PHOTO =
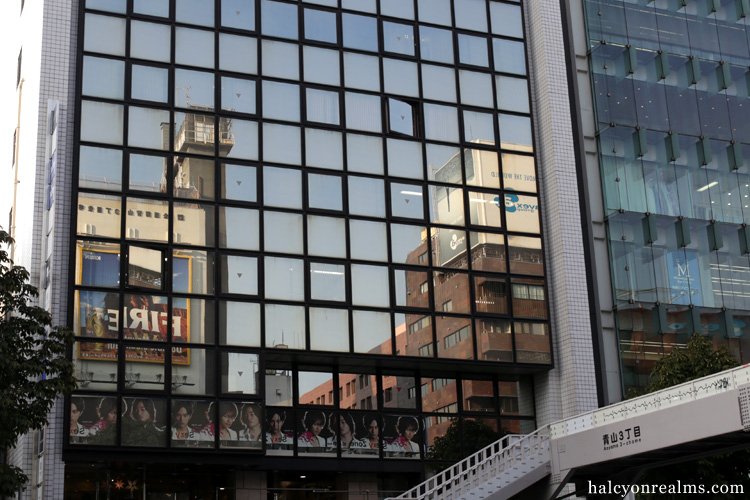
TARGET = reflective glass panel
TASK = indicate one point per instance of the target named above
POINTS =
(512, 94)
(525, 255)
(366, 196)
(194, 224)
(197, 12)
(283, 232)
(145, 268)
(370, 286)
(519, 173)
(471, 14)
(194, 47)
(438, 83)
(506, 19)
(372, 332)
(327, 282)
(440, 123)
(476, 89)
(488, 252)
(285, 278)
(326, 236)
(400, 77)
(239, 182)
(522, 213)
(158, 8)
(360, 32)
(147, 128)
(101, 122)
(509, 56)
(322, 106)
(281, 101)
(436, 44)
(104, 34)
(408, 243)
(285, 328)
(239, 323)
(329, 330)
(100, 168)
(238, 14)
(405, 158)
(368, 240)
(324, 191)
(473, 50)
(238, 53)
(238, 228)
(282, 187)
(407, 201)
(494, 340)
(238, 138)
(193, 178)
(239, 373)
(481, 167)
(150, 41)
(361, 71)
(320, 25)
(147, 219)
(237, 95)
(239, 274)
(323, 148)
(398, 38)
(103, 77)
(321, 66)
(193, 89)
(279, 19)
(364, 154)
(98, 215)
(282, 144)
(148, 173)
(149, 83)
(193, 372)
(97, 263)
(363, 112)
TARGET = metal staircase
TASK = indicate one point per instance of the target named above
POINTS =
(496, 472)
(626, 436)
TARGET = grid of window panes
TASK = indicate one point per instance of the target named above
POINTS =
(671, 90)
(353, 178)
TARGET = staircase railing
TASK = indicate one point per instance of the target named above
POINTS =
(479, 468)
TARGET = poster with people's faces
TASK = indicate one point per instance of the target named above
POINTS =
(359, 435)
(402, 437)
(314, 435)
(191, 426)
(144, 422)
(93, 420)
(240, 425)
(279, 434)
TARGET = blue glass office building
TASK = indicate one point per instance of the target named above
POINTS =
(669, 84)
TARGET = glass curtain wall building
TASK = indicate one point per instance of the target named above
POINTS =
(670, 88)
(306, 237)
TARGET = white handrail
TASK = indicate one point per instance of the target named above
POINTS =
(480, 467)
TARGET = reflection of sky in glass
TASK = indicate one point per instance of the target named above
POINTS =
(310, 380)
(147, 173)
(241, 372)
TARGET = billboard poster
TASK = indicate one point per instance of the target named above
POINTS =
(279, 431)
(401, 436)
(145, 318)
(359, 435)
(144, 422)
(684, 277)
(191, 425)
(93, 420)
(313, 434)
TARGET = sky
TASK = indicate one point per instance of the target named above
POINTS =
(8, 105)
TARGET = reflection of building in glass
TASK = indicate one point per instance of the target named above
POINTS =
(309, 235)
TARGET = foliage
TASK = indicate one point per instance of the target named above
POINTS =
(33, 366)
(475, 433)
(698, 359)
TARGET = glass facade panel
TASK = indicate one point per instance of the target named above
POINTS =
(295, 210)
